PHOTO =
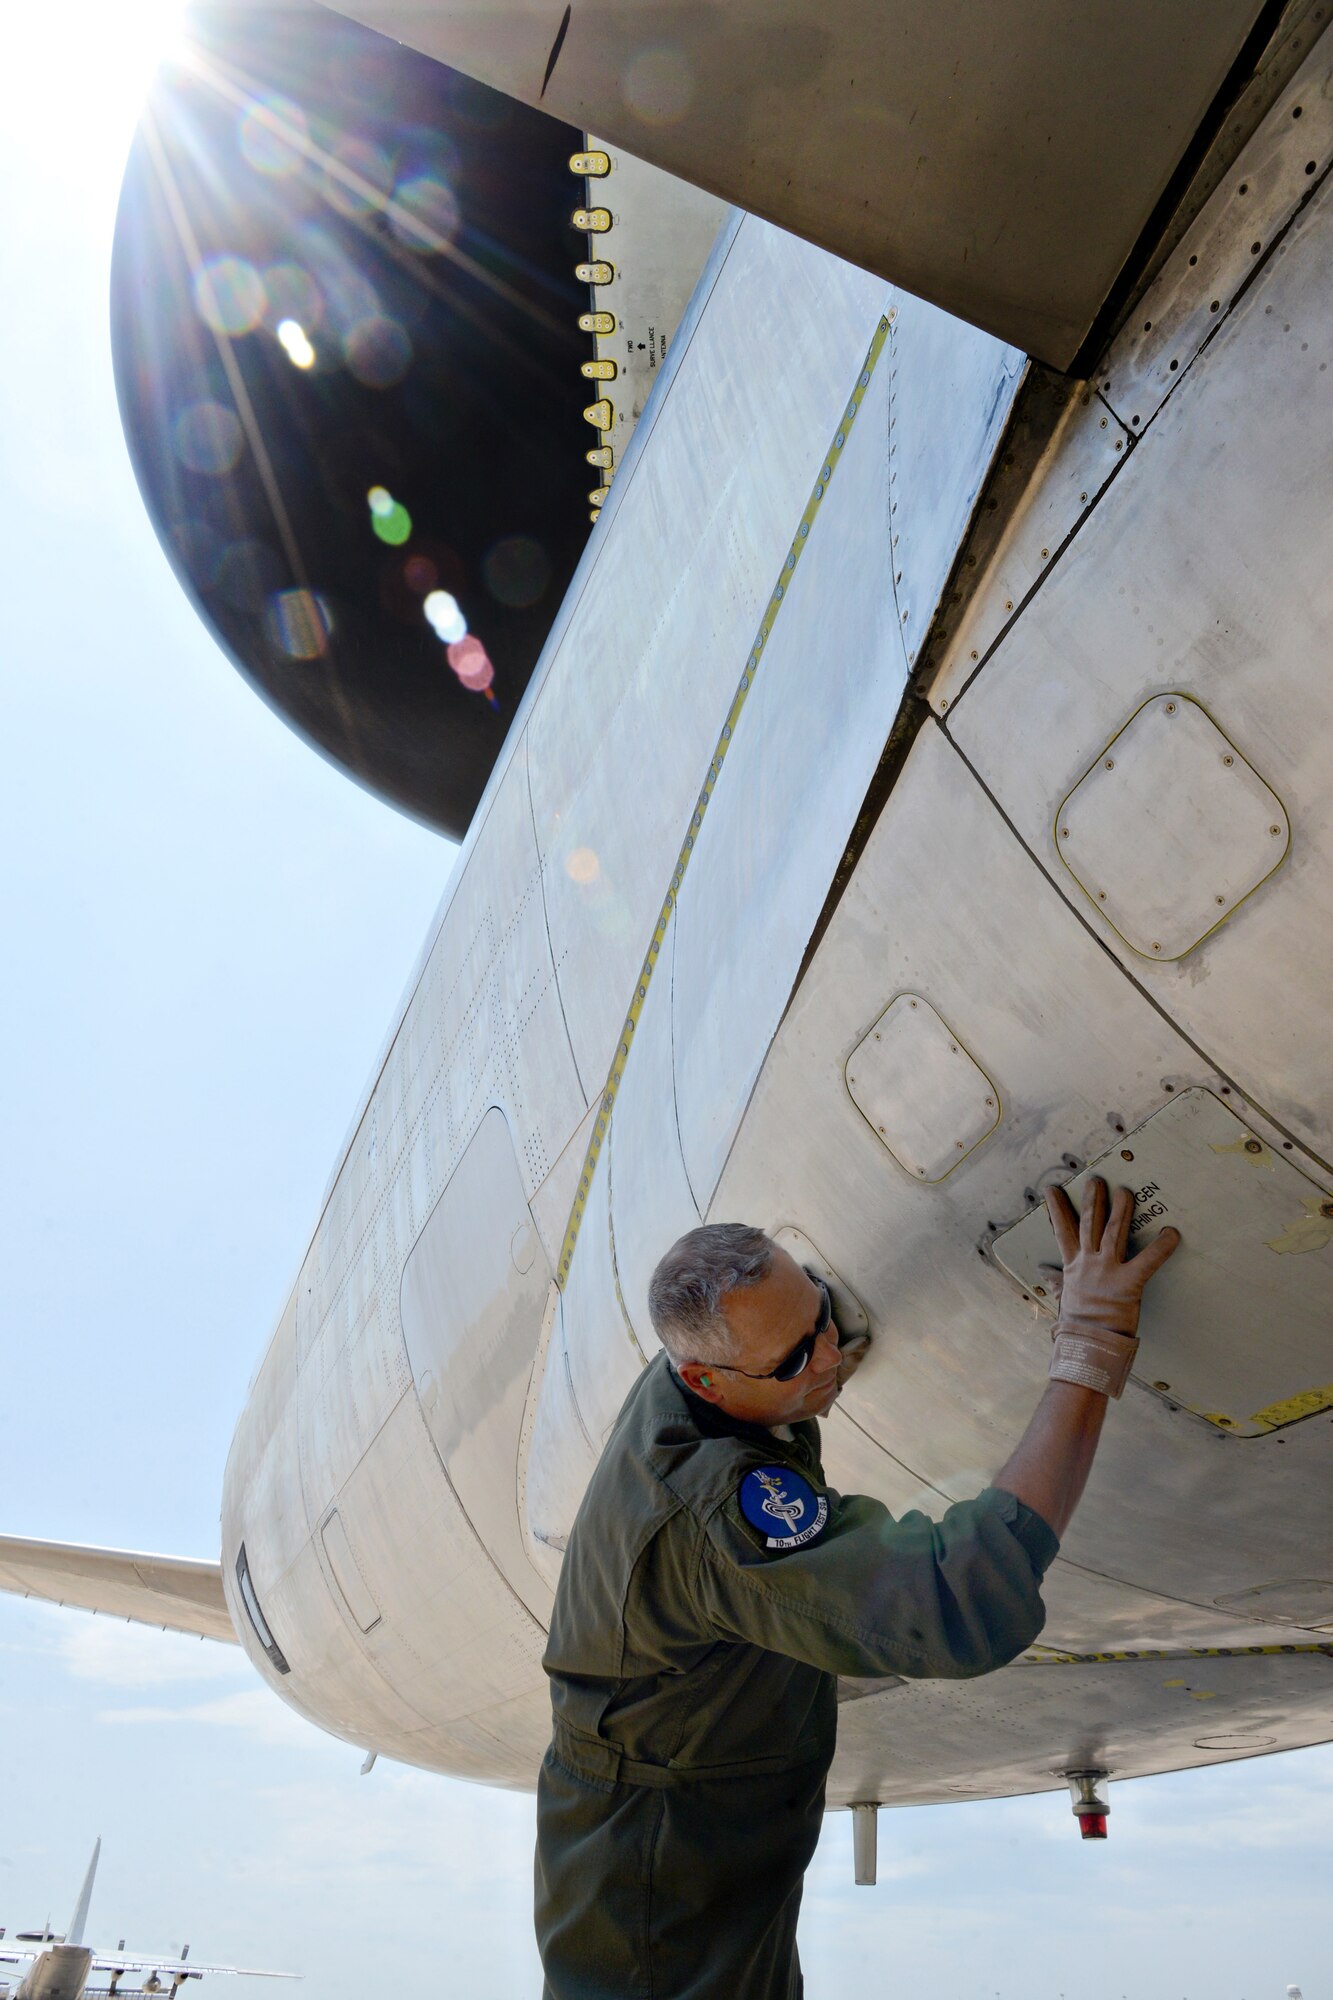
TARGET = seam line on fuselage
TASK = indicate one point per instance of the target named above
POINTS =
(749, 675)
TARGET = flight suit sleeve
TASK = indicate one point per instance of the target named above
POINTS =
(873, 1595)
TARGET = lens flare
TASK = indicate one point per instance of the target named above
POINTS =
(358, 179)
(420, 574)
(471, 662)
(274, 135)
(248, 574)
(388, 517)
(207, 437)
(293, 294)
(296, 344)
(424, 214)
(582, 866)
(200, 549)
(517, 571)
(298, 623)
(377, 351)
(446, 619)
(229, 296)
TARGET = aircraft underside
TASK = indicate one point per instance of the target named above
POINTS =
(924, 795)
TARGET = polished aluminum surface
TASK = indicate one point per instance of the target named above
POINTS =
(1001, 161)
(866, 836)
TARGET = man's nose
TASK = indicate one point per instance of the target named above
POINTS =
(827, 1354)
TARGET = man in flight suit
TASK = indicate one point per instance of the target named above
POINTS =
(714, 1586)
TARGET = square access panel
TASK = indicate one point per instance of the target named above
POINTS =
(920, 1091)
(1237, 1325)
(1170, 829)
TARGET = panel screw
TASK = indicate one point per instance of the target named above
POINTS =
(1253, 1146)
(1125, 1153)
(1045, 553)
(877, 1035)
(911, 1003)
(1275, 831)
(1040, 1291)
(1110, 763)
(1219, 899)
(990, 1103)
(1170, 707)
(1157, 947)
(1064, 833)
(959, 1144)
(1101, 895)
(1161, 1385)
(1326, 1208)
(1228, 761)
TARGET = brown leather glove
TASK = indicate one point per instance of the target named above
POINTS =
(1100, 1287)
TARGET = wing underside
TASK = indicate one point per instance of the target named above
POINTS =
(1132, 1714)
(178, 1593)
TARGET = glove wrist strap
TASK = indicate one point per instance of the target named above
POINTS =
(1092, 1357)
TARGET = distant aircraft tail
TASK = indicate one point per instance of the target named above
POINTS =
(78, 1922)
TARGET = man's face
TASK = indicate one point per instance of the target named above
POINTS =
(767, 1320)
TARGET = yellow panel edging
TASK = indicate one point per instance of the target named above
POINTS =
(750, 674)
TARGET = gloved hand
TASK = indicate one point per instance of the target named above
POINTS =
(1099, 1287)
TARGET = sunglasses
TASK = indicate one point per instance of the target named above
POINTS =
(795, 1363)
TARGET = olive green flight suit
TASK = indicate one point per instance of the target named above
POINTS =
(692, 1672)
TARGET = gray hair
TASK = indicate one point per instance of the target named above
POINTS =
(687, 1289)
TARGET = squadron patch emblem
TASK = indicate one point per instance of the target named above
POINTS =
(784, 1507)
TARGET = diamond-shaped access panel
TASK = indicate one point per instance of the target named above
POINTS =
(920, 1091)
(1170, 829)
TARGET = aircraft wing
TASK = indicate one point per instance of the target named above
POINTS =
(178, 1967)
(176, 1592)
(1010, 162)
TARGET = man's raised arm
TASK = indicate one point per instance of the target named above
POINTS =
(1094, 1344)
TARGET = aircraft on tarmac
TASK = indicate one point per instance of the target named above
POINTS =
(60, 1967)
(920, 795)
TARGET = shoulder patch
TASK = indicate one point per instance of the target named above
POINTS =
(783, 1506)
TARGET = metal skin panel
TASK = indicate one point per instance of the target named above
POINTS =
(945, 380)
(917, 1087)
(1170, 829)
(1037, 500)
(651, 1202)
(1000, 161)
(949, 895)
(662, 230)
(1018, 1730)
(642, 675)
(1204, 569)
(753, 893)
(472, 1297)
(1197, 1166)
(558, 1454)
(1172, 1515)
(1215, 258)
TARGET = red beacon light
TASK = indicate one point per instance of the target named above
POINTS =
(1087, 1790)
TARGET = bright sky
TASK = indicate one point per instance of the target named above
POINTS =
(206, 932)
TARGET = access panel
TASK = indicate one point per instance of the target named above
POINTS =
(1237, 1326)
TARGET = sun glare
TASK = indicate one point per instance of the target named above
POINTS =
(101, 60)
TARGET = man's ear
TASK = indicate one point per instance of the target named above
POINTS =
(700, 1378)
